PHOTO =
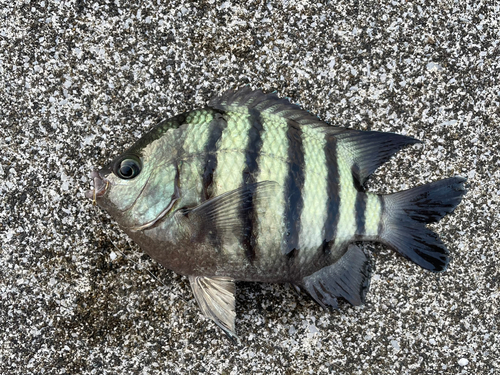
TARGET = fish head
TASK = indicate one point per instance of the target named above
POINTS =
(139, 187)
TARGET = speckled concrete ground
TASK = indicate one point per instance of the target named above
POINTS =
(80, 80)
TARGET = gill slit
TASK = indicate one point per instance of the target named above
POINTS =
(175, 197)
(138, 195)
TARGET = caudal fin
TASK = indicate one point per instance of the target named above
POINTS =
(406, 214)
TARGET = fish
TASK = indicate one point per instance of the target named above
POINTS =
(253, 188)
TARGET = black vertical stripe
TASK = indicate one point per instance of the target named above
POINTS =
(249, 217)
(382, 213)
(294, 202)
(360, 209)
(253, 148)
(216, 128)
(333, 187)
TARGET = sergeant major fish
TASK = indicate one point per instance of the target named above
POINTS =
(254, 188)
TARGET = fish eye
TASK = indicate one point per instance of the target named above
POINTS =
(128, 168)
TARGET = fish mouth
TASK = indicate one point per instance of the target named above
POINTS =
(100, 187)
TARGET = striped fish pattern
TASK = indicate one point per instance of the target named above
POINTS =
(253, 188)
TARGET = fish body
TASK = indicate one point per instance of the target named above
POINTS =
(253, 188)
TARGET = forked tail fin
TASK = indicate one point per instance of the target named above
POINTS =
(406, 214)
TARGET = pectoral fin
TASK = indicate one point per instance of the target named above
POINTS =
(215, 296)
(226, 217)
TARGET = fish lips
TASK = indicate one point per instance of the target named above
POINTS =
(100, 186)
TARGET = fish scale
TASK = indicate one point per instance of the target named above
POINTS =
(272, 167)
(315, 190)
(253, 188)
(195, 138)
(346, 227)
(197, 133)
(231, 153)
(373, 215)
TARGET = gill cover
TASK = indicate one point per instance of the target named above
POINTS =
(140, 190)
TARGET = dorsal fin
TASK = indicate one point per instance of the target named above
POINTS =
(367, 150)
(268, 104)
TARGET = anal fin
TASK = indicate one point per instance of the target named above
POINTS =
(348, 278)
(216, 298)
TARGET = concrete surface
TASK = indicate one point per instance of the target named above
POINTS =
(80, 80)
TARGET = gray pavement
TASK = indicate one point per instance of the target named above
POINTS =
(81, 80)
